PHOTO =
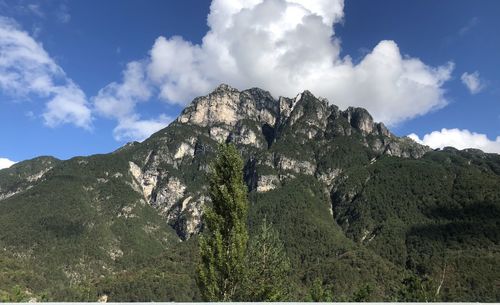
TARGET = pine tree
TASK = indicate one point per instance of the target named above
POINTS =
(223, 246)
(268, 270)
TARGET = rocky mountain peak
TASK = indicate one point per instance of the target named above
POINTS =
(227, 110)
(226, 106)
(223, 88)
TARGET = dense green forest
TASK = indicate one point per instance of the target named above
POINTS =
(424, 220)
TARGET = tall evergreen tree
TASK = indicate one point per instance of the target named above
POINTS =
(268, 271)
(224, 244)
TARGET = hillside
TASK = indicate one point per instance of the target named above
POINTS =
(355, 205)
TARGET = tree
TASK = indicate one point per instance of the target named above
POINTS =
(268, 267)
(320, 293)
(224, 244)
(363, 294)
(418, 289)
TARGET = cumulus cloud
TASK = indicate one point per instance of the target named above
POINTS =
(472, 82)
(286, 46)
(118, 101)
(6, 163)
(459, 139)
(27, 70)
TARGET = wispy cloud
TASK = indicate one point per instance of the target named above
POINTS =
(36, 9)
(461, 32)
(473, 22)
(58, 11)
(62, 13)
(27, 70)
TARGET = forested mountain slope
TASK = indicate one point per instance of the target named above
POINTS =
(356, 206)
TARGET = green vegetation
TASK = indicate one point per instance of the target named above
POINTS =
(436, 217)
(58, 237)
(223, 247)
(316, 245)
(320, 293)
(267, 268)
(398, 225)
(418, 289)
(167, 277)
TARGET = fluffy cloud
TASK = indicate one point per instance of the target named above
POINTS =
(118, 101)
(286, 46)
(6, 163)
(472, 82)
(26, 70)
(459, 139)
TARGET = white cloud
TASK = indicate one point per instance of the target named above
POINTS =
(69, 105)
(459, 139)
(133, 128)
(27, 70)
(472, 82)
(118, 101)
(6, 163)
(286, 46)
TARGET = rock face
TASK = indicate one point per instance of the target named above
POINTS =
(227, 106)
(170, 167)
(360, 119)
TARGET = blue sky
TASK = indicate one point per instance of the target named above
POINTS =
(84, 77)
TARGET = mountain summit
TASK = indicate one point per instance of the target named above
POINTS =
(355, 205)
(238, 113)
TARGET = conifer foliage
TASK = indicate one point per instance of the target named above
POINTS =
(224, 244)
(268, 267)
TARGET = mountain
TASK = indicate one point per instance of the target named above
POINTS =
(355, 205)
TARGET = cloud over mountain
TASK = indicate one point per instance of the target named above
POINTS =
(286, 46)
(6, 163)
(460, 139)
(118, 101)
